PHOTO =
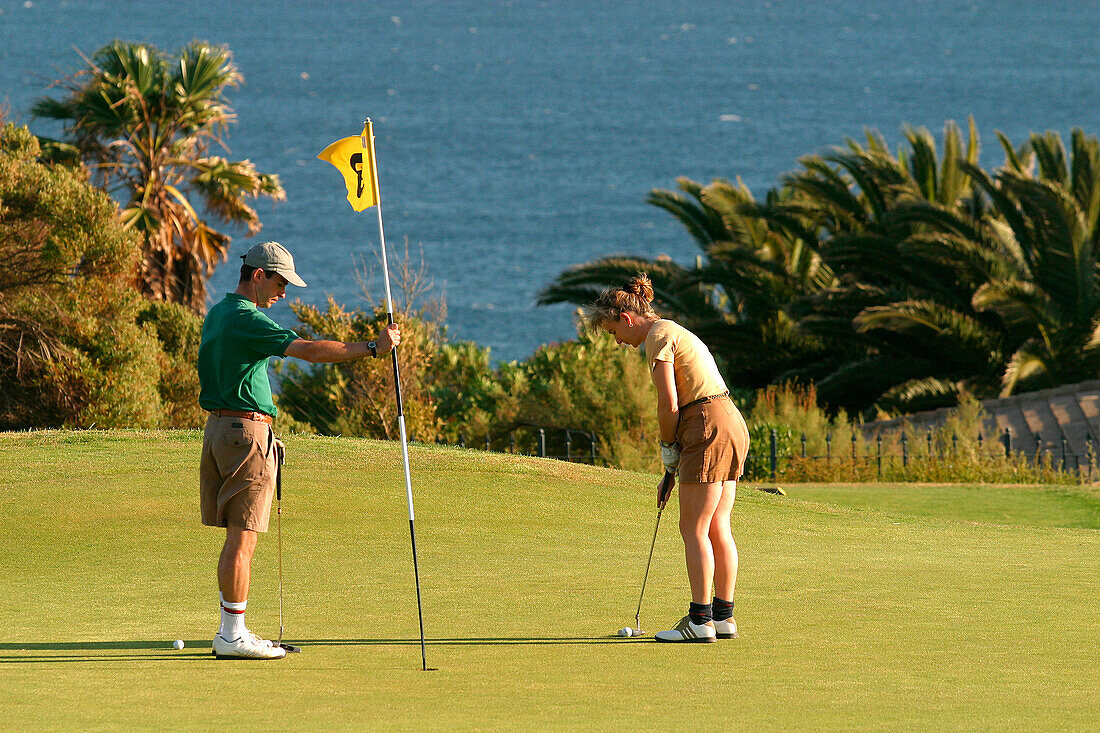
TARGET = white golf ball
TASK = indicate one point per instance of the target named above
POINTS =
(626, 631)
(177, 644)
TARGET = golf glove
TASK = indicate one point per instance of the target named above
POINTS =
(670, 456)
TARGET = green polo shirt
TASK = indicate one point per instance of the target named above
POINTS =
(236, 342)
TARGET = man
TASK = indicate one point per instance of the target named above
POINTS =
(237, 472)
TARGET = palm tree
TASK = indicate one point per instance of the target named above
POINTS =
(145, 124)
(895, 282)
(995, 293)
(1049, 301)
(733, 296)
(900, 318)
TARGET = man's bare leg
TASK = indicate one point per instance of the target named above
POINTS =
(235, 563)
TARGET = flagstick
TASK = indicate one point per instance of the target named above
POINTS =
(368, 139)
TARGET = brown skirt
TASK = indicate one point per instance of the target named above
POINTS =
(714, 442)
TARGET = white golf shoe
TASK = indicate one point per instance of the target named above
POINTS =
(687, 631)
(726, 629)
(247, 646)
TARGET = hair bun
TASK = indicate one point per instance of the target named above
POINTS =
(641, 286)
(635, 295)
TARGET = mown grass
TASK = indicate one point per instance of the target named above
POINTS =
(1036, 505)
(853, 619)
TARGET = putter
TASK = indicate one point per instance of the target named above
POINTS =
(280, 459)
(663, 493)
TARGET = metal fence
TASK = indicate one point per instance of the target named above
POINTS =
(567, 444)
(870, 458)
(876, 457)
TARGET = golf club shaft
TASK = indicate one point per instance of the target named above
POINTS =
(652, 544)
(278, 524)
(279, 457)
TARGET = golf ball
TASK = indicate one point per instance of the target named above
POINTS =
(626, 631)
(177, 644)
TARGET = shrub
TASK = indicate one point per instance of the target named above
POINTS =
(71, 351)
(356, 398)
(452, 393)
(815, 447)
(468, 395)
(179, 332)
(590, 384)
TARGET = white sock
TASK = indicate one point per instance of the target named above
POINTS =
(232, 619)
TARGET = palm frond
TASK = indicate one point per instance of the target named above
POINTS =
(923, 163)
(1027, 370)
(1050, 154)
(961, 342)
(704, 225)
(1023, 306)
(1016, 159)
(1085, 169)
(918, 395)
(582, 284)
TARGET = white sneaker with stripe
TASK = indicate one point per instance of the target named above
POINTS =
(687, 631)
(726, 629)
(246, 646)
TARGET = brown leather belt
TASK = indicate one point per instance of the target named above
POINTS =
(257, 416)
(701, 400)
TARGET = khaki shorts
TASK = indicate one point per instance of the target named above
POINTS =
(237, 473)
(714, 442)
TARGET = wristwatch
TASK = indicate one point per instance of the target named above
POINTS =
(373, 346)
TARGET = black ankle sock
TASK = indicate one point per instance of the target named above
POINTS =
(700, 613)
(722, 609)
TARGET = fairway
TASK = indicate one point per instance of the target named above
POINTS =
(850, 618)
(1040, 506)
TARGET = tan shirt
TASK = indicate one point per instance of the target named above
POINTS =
(696, 373)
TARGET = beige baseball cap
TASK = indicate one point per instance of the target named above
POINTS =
(273, 257)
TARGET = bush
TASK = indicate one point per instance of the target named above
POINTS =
(179, 332)
(591, 384)
(468, 395)
(815, 447)
(356, 398)
(71, 351)
(78, 345)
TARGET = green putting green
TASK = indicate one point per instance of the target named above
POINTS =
(850, 618)
(1041, 506)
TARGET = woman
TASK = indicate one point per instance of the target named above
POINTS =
(703, 437)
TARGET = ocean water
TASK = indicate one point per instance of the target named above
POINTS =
(516, 139)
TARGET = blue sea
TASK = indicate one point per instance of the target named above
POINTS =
(516, 139)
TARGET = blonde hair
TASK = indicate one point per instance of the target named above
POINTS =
(635, 296)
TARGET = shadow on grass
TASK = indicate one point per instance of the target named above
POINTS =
(10, 652)
(70, 646)
(200, 649)
(476, 641)
(54, 658)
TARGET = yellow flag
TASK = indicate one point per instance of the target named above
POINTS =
(354, 158)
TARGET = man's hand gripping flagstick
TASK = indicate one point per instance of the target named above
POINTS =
(354, 158)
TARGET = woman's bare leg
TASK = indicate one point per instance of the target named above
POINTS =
(698, 503)
(722, 544)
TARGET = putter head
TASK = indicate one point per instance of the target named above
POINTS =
(291, 649)
(637, 632)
